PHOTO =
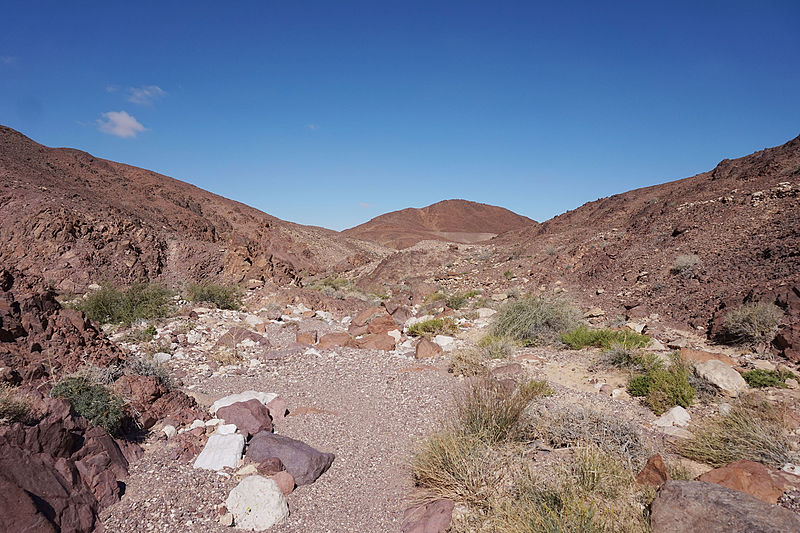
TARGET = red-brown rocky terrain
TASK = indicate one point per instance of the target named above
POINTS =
(75, 219)
(449, 220)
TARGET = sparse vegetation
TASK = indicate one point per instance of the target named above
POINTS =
(752, 324)
(535, 320)
(767, 378)
(509, 275)
(142, 301)
(433, 327)
(147, 366)
(92, 401)
(663, 388)
(457, 301)
(493, 347)
(750, 430)
(467, 363)
(583, 336)
(331, 282)
(434, 297)
(221, 296)
(14, 407)
(685, 265)
(141, 335)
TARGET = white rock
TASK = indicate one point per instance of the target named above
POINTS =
(485, 312)
(257, 503)
(408, 344)
(677, 417)
(499, 297)
(792, 383)
(791, 468)
(681, 433)
(226, 429)
(194, 337)
(94, 287)
(201, 310)
(395, 334)
(221, 451)
(725, 408)
(417, 319)
(616, 393)
(445, 341)
(161, 357)
(169, 431)
(254, 362)
(247, 343)
(347, 320)
(213, 422)
(263, 397)
(594, 312)
(247, 470)
(253, 320)
(312, 351)
(197, 423)
(718, 373)
(657, 345)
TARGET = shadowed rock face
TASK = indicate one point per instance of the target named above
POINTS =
(77, 219)
(450, 220)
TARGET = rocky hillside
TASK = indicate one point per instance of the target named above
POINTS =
(449, 220)
(96, 220)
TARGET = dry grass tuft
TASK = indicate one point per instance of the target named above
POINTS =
(751, 430)
(535, 320)
(14, 407)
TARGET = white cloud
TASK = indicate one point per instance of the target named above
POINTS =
(145, 95)
(313, 127)
(365, 204)
(112, 88)
(120, 123)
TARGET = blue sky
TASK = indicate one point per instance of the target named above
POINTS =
(332, 112)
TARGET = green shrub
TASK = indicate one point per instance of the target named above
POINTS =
(457, 301)
(142, 301)
(767, 378)
(508, 274)
(144, 365)
(583, 336)
(92, 401)
(750, 430)
(753, 323)
(535, 320)
(432, 327)
(221, 296)
(664, 388)
(492, 347)
(434, 297)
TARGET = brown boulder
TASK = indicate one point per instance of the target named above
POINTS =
(654, 473)
(433, 517)
(426, 349)
(269, 466)
(302, 461)
(333, 340)
(19, 512)
(755, 479)
(307, 338)
(250, 416)
(237, 334)
(357, 331)
(277, 408)
(364, 317)
(377, 342)
(382, 324)
(682, 506)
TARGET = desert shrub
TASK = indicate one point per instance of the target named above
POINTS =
(663, 388)
(467, 363)
(92, 401)
(493, 412)
(13, 407)
(147, 366)
(759, 378)
(574, 426)
(434, 326)
(583, 336)
(142, 301)
(141, 335)
(493, 347)
(434, 297)
(753, 323)
(535, 320)
(508, 274)
(221, 296)
(750, 430)
(621, 356)
(685, 264)
(457, 301)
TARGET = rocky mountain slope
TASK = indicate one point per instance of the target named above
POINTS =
(74, 219)
(449, 220)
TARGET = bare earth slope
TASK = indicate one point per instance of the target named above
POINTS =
(448, 220)
(682, 249)
(75, 219)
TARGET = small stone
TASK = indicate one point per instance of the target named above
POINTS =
(445, 341)
(677, 344)
(499, 297)
(285, 481)
(600, 291)
(594, 312)
(426, 349)
(792, 383)
(169, 431)
(763, 364)
(654, 473)
(247, 470)
(225, 429)
(657, 345)
(197, 423)
(161, 357)
(638, 327)
(677, 417)
(226, 520)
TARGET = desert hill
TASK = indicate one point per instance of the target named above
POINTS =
(449, 220)
(76, 219)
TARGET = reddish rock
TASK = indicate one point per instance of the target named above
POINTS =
(698, 356)
(654, 473)
(334, 340)
(509, 371)
(307, 338)
(285, 482)
(357, 331)
(269, 466)
(377, 342)
(19, 512)
(433, 517)
(302, 461)
(382, 324)
(762, 482)
(250, 417)
(426, 349)
(402, 314)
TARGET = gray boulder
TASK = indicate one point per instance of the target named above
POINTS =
(302, 461)
(682, 506)
(257, 503)
(718, 373)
